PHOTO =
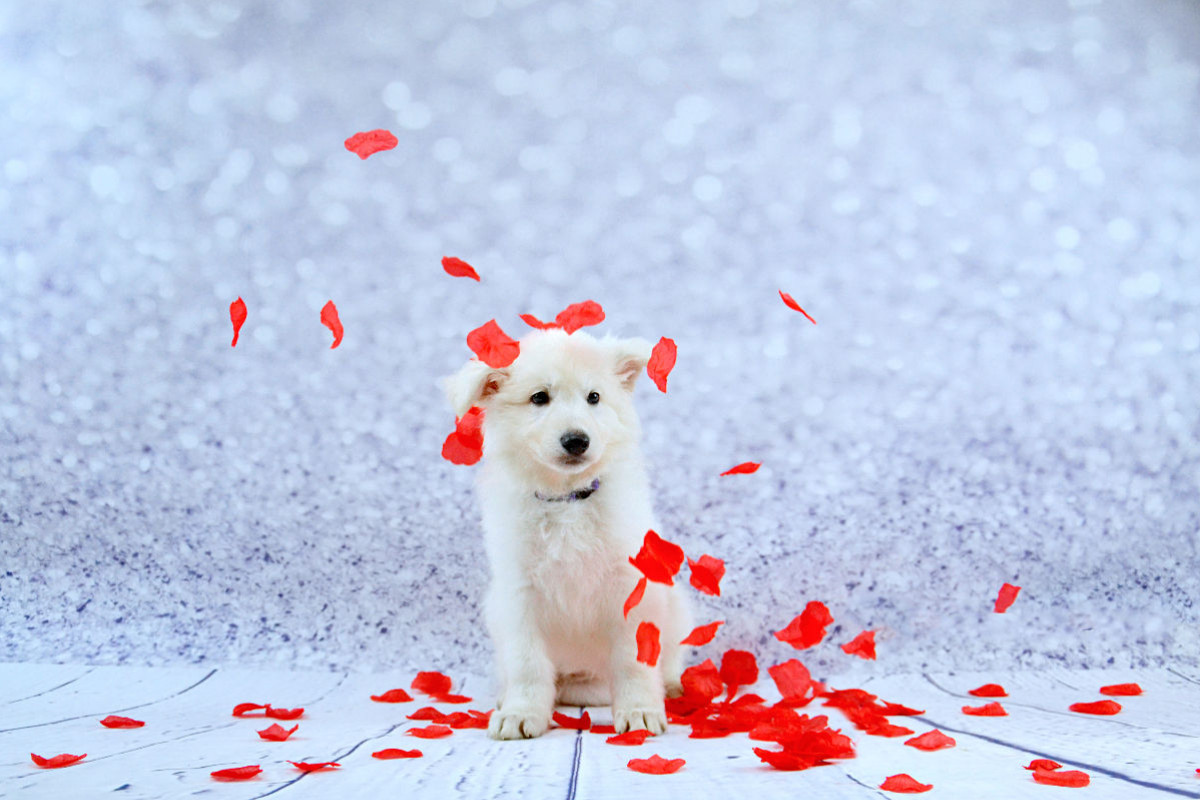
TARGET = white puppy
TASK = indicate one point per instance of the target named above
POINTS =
(565, 503)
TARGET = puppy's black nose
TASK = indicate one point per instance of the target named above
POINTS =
(574, 442)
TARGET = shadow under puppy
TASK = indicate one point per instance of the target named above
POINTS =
(565, 503)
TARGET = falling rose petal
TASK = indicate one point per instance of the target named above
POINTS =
(1072, 778)
(392, 696)
(648, 646)
(704, 634)
(315, 766)
(464, 445)
(862, 646)
(792, 304)
(1043, 763)
(706, 574)
(329, 318)
(1121, 690)
(989, 690)
(793, 680)
(738, 668)
(237, 773)
(904, 784)
(430, 732)
(368, 143)
(493, 346)
(284, 713)
(662, 361)
(393, 752)
(1105, 708)
(745, 468)
(658, 559)
(55, 762)
(433, 683)
(581, 723)
(277, 733)
(702, 680)
(579, 315)
(242, 709)
(635, 596)
(458, 268)
(989, 710)
(807, 629)
(121, 722)
(1008, 594)
(629, 738)
(932, 740)
(237, 315)
(656, 765)
(534, 322)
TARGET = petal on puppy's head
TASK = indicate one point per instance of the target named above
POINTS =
(629, 358)
(471, 385)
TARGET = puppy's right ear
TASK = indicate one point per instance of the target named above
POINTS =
(472, 384)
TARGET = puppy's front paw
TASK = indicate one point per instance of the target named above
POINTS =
(517, 723)
(640, 719)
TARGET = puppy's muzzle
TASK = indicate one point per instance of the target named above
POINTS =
(574, 442)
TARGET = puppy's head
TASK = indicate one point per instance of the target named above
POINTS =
(562, 407)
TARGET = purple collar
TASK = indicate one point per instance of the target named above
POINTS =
(578, 494)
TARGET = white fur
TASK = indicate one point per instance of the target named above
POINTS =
(560, 571)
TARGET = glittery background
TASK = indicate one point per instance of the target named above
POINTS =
(989, 208)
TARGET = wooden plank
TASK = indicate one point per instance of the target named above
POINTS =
(19, 682)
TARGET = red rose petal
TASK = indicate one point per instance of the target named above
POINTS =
(1008, 593)
(1104, 708)
(458, 268)
(366, 143)
(904, 784)
(707, 574)
(284, 713)
(276, 733)
(1121, 690)
(738, 668)
(579, 315)
(429, 714)
(648, 646)
(790, 762)
(989, 690)
(629, 738)
(316, 766)
(656, 765)
(1044, 764)
(658, 559)
(55, 762)
(897, 710)
(662, 361)
(493, 346)
(329, 318)
(635, 596)
(121, 722)
(237, 773)
(580, 723)
(702, 680)
(807, 629)
(433, 683)
(392, 696)
(792, 304)
(237, 315)
(793, 680)
(452, 698)
(464, 445)
(534, 322)
(862, 646)
(393, 752)
(989, 710)
(603, 729)
(745, 468)
(703, 634)
(430, 732)
(931, 740)
(241, 709)
(1073, 778)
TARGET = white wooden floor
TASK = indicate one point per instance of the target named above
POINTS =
(1151, 749)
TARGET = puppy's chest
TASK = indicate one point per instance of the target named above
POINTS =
(572, 553)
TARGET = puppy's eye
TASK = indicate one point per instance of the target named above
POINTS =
(539, 398)
(593, 398)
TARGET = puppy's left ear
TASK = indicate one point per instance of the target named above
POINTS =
(629, 359)
(472, 385)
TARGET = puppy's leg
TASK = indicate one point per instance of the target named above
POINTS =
(527, 672)
(637, 691)
(679, 613)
